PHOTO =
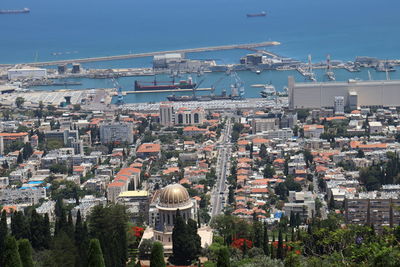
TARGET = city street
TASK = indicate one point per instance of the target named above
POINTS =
(219, 192)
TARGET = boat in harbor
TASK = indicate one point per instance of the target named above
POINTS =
(170, 85)
(261, 14)
(269, 90)
(237, 92)
(15, 11)
(385, 67)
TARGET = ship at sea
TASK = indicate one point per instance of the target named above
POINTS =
(171, 85)
(15, 11)
(262, 14)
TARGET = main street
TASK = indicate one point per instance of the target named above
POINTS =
(219, 192)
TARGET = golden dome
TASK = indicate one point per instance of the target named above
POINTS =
(174, 196)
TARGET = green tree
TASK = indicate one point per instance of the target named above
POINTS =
(3, 235)
(46, 232)
(63, 250)
(25, 252)
(95, 256)
(81, 240)
(108, 224)
(179, 241)
(27, 151)
(223, 259)
(266, 240)
(36, 231)
(269, 171)
(19, 102)
(19, 225)
(279, 251)
(11, 254)
(157, 255)
(20, 159)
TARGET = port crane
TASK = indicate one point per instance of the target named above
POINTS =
(310, 74)
(120, 97)
(329, 74)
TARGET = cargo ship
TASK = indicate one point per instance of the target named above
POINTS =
(16, 11)
(171, 85)
(262, 14)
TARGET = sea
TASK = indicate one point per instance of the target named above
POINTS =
(70, 29)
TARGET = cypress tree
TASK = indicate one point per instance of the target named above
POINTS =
(223, 259)
(266, 240)
(3, 235)
(19, 225)
(95, 255)
(157, 255)
(194, 240)
(58, 207)
(36, 230)
(19, 158)
(179, 241)
(279, 252)
(272, 251)
(11, 254)
(25, 252)
(292, 219)
(293, 235)
(258, 238)
(46, 232)
(298, 234)
(63, 250)
(298, 219)
(81, 237)
(70, 225)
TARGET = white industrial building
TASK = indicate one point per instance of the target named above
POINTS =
(26, 73)
(355, 93)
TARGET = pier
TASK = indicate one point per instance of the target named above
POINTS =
(166, 91)
(147, 54)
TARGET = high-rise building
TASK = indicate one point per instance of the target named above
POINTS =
(339, 105)
(167, 115)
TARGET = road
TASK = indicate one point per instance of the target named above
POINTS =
(219, 192)
(320, 196)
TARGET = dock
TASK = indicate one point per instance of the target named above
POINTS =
(147, 54)
(166, 91)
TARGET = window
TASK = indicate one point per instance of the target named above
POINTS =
(180, 118)
(196, 118)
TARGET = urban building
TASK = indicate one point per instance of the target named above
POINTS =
(116, 133)
(355, 93)
(373, 208)
(188, 116)
(302, 203)
(339, 105)
(166, 115)
(259, 125)
(26, 73)
(137, 204)
(148, 150)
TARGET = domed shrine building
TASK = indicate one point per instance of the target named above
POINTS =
(170, 199)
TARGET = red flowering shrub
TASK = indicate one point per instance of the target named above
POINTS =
(239, 243)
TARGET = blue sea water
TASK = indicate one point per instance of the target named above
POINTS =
(342, 28)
